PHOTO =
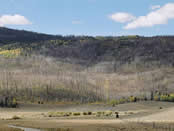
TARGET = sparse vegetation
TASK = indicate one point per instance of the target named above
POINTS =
(68, 114)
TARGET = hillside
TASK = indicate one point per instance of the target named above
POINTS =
(11, 35)
(142, 52)
(38, 67)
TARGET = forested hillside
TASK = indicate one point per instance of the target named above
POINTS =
(142, 51)
(10, 35)
(39, 67)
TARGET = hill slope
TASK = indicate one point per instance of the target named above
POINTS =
(10, 35)
(142, 52)
(83, 68)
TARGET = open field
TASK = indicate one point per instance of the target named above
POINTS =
(133, 116)
(135, 109)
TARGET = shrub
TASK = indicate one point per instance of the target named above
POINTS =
(98, 114)
(85, 113)
(57, 114)
(89, 113)
(15, 118)
(122, 101)
(114, 102)
(132, 99)
(67, 114)
(76, 113)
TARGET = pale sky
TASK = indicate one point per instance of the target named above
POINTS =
(90, 17)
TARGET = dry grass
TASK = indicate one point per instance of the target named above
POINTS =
(102, 126)
(121, 127)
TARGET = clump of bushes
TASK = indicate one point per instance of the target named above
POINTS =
(87, 113)
(114, 102)
(76, 114)
(40, 102)
(104, 113)
(108, 113)
(123, 100)
(59, 114)
(160, 108)
(15, 118)
(67, 114)
(99, 114)
(132, 99)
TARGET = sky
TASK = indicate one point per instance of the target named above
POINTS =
(90, 17)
